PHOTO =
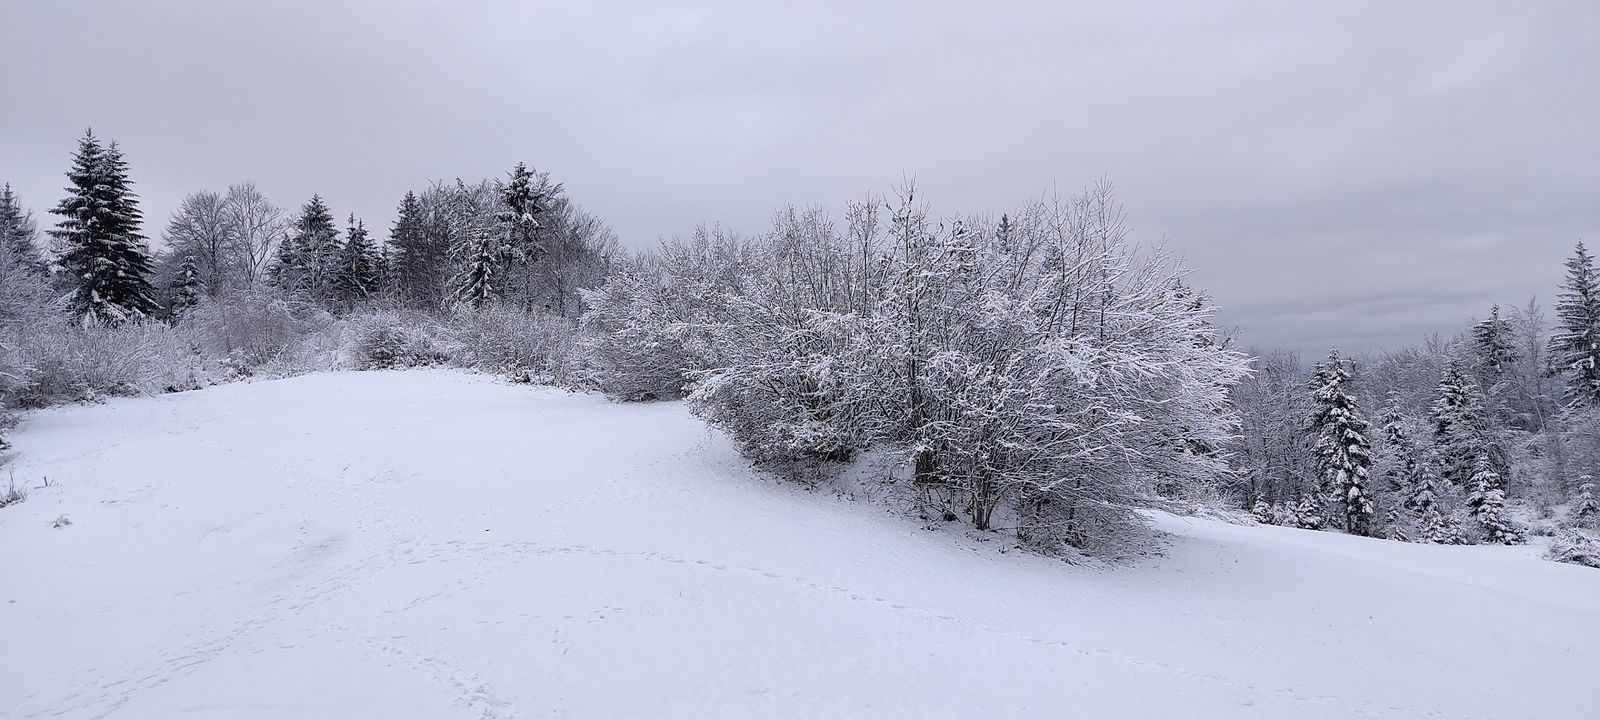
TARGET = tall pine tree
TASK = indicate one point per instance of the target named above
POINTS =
(1492, 341)
(19, 235)
(477, 283)
(1585, 508)
(522, 203)
(102, 253)
(1401, 468)
(308, 259)
(420, 256)
(1458, 437)
(1575, 346)
(484, 254)
(356, 278)
(187, 286)
(1344, 457)
(1487, 505)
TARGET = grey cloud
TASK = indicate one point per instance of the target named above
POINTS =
(1355, 173)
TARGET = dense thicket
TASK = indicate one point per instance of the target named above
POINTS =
(1036, 372)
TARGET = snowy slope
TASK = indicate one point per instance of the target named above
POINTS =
(437, 545)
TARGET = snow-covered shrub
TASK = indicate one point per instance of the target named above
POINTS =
(1574, 546)
(646, 329)
(1038, 369)
(795, 402)
(75, 363)
(27, 306)
(263, 331)
(527, 346)
(634, 351)
(381, 340)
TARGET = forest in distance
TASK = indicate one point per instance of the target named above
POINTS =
(1036, 373)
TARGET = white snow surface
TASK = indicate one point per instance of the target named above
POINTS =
(433, 544)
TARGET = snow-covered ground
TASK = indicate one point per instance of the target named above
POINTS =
(438, 545)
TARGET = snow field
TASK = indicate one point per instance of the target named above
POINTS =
(434, 544)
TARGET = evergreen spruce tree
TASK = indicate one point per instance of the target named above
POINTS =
(1440, 530)
(1401, 466)
(383, 267)
(1487, 505)
(1492, 341)
(356, 277)
(19, 234)
(1575, 345)
(103, 256)
(1307, 514)
(187, 286)
(1343, 454)
(1396, 522)
(522, 203)
(1458, 437)
(1263, 513)
(308, 259)
(417, 258)
(484, 253)
(285, 271)
(477, 285)
(1586, 507)
(1425, 496)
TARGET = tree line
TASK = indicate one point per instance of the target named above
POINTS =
(1507, 411)
(1036, 373)
(519, 241)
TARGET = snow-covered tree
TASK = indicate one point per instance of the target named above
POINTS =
(199, 233)
(1307, 513)
(1440, 529)
(1575, 347)
(478, 281)
(256, 227)
(1271, 452)
(19, 237)
(647, 327)
(1402, 461)
(101, 253)
(1048, 373)
(187, 286)
(1492, 341)
(1458, 437)
(307, 260)
(421, 256)
(356, 276)
(1344, 458)
(1487, 505)
(1585, 508)
(522, 205)
(1425, 496)
(1397, 525)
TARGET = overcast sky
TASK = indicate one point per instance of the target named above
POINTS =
(1346, 173)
